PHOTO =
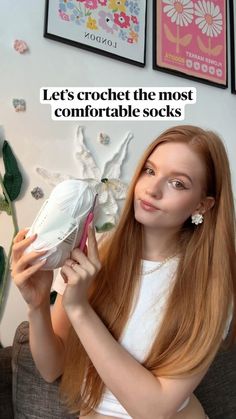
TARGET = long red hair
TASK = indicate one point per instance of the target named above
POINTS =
(203, 290)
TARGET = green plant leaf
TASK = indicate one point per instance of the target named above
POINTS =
(4, 206)
(2, 265)
(12, 179)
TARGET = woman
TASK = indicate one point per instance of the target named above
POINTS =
(139, 322)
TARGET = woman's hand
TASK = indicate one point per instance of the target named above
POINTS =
(79, 272)
(34, 285)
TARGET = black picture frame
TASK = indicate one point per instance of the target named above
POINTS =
(178, 61)
(232, 14)
(131, 49)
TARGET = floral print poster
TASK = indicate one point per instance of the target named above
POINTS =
(190, 39)
(111, 27)
(232, 14)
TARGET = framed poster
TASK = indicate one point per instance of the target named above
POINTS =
(232, 6)
(115, 28)
(190, 39)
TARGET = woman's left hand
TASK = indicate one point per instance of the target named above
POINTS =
(79, 272)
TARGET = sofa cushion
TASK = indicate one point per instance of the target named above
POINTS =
(217, 390)
(33, 397)
(6, 409)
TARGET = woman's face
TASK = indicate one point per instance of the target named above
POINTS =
(170, 187)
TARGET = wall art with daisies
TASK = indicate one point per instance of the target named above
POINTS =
(190, 38)
(110, 27)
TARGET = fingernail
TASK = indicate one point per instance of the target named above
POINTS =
(42, 252)
(64, 277)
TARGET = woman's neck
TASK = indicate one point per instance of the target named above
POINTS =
(158, 245)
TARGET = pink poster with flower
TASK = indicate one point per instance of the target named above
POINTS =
(190, 39)
(114, 28)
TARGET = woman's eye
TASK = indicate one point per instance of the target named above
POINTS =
(148, 170)
(178, 185)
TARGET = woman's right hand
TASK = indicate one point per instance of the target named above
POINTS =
(34, 284)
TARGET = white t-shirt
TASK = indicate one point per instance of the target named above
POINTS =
(143, 323)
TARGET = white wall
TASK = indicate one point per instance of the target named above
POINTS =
(37, 140)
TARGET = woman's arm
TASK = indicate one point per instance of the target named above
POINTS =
(47, 336)
(48, 333)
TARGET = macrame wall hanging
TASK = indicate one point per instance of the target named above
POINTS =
(107, 180)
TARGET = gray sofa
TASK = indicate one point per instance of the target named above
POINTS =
(25, 395)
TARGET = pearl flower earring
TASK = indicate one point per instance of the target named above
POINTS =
(197, 219)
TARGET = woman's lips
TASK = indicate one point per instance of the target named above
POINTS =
(147, 206)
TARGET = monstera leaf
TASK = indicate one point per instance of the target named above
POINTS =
(12, 179)
(11, 186)
(4, 206)
(2, 265)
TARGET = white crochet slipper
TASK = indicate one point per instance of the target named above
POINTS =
(59, 223)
